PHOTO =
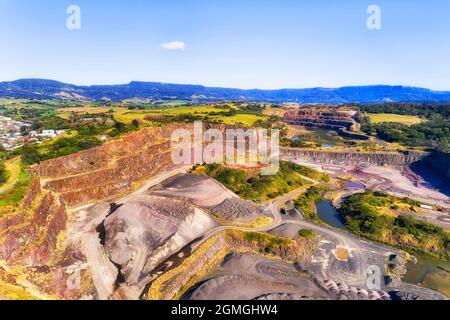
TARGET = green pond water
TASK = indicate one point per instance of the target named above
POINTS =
(328, 214)
(431, 273)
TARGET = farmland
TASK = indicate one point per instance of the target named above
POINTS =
(398, 118)
(125, 115)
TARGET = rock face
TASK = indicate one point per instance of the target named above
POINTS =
(111, 169)
(139, 235)
(321, 118)
(32, 193)
(30, 238)
(439, 162)
(371, 158)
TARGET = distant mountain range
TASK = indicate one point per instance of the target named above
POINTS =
(49, 89)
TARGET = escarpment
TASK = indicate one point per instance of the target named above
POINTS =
(108, 170)
(337, 157)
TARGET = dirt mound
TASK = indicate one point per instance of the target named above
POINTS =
(236, 210)
(201, 191)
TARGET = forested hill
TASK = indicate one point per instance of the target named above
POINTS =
(49, 89)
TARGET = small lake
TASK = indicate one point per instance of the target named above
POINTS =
(429, 272)
(327, 145)
(328, 214)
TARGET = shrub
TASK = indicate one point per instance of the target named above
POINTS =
(306, 233)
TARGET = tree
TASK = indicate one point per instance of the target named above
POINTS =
(135, 123)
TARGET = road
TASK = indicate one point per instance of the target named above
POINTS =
(272, 208)
(359, 250)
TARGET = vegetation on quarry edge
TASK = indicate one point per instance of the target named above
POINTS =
(251, 185)
(372, 215)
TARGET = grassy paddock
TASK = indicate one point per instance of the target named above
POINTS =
(387, 117)
(13, 167)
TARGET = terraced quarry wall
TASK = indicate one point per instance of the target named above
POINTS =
(320, 118)
(111, 169)
(116, 167)
(373, 158)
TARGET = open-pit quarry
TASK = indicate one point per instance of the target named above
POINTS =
(120, 221)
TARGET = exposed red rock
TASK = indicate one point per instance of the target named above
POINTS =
(33, 191)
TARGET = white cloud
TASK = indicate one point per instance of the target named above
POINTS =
(173, 46)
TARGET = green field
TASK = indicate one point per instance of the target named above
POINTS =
(13, 167)
(388, 117)
(15, 193)
(245, 119)
(126, 116)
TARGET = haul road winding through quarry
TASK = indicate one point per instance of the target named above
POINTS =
(324, 264)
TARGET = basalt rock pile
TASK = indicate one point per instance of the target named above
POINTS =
(236, 210)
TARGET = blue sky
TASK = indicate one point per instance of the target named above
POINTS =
(244, 44)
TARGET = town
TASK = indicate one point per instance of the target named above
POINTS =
(14, 134)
